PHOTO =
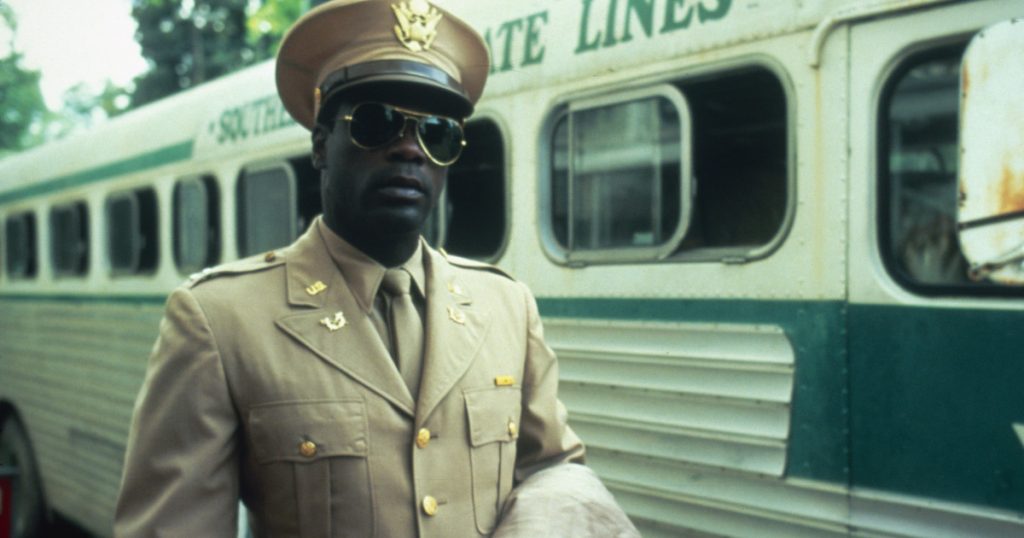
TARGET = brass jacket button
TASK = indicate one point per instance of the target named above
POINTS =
(423, 438)
(270, 256)
(513, 429)
(307, 449)
(429, 505)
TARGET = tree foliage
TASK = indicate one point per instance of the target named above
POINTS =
(188, 42)
(23, 110)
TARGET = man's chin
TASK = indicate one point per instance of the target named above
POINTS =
(396, 222)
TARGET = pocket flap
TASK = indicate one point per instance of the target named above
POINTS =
(493, 414)
(308, 431)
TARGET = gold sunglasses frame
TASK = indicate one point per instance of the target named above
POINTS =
(409, 115)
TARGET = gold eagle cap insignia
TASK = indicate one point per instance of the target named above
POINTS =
(417, 24)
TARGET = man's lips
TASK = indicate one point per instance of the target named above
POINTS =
(401, 189)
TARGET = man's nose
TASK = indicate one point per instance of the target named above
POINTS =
(407, 148)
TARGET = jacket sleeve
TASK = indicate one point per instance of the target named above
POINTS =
(553, 497)
(181, 470)
(545, 437)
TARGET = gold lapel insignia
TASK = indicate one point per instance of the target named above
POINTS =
(456, 315)
(334, 323)
(504, 381)
(417, 24)
(454, 288)
(316, 288)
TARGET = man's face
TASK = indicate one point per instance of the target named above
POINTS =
(379, 193)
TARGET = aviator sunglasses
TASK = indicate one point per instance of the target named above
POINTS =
(372, 125)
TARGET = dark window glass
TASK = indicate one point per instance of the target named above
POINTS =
(267, 216)
(918, 161)
(20, 233)
(474, 203)
(69, 236)
(740, 160)
(132, 232)
(196, 223)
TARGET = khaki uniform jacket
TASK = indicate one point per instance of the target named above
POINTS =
(250, 394)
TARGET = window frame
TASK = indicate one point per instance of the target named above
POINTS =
(81, 209)
(31, 270)
(731, 255)
(566, 254)
(140, 264)
(211, 191)
(441, 211)
(241, 231)
(899, 67)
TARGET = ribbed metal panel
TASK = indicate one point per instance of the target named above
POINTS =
(73, 369)
(688, 424)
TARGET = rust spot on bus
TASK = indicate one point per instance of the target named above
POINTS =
(1011, 191)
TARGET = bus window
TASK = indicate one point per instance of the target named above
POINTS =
(20, 235)
(741, 160)
(69, 239)
(918, 160)
(473, 210)
(132, 232)
(267, 216)
(614, 199)
(628, 185)
(196, 223)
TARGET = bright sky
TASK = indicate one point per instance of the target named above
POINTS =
(72, 41)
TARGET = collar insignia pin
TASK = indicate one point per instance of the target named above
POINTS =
(316, 288)
(334, 323)
(417, 24)
(456, 315)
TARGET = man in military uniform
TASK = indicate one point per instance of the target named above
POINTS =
(358, 382)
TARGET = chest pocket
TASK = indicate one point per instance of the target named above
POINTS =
(319, 449)
(493, 424)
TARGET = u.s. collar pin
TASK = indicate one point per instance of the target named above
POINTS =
(316, 288)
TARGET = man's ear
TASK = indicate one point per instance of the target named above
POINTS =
(319, 156)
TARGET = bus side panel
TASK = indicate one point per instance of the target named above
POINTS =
(72, 368)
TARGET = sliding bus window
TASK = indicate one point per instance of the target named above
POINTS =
(918, 160)
(696, 169)
(20, 240)
(471, 218)
(196, 215)
(132, 245)
(267, 209)
(69, 239)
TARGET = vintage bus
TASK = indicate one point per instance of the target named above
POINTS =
(739, 218)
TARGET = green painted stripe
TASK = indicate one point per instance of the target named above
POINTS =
(143, 161)
(141, 299)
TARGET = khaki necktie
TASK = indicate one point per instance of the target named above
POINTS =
(404, 327)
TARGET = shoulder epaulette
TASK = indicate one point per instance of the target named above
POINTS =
(237, 267)
(467, 263)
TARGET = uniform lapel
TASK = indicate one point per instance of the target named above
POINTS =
(454, 333)
(349, 343)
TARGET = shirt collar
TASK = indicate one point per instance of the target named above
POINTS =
(362, 273)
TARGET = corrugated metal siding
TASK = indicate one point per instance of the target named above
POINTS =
(688, 425)
(73, 369)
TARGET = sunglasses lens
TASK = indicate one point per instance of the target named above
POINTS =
(374, 124)
(441, 137)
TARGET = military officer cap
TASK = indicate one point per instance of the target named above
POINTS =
(407, 52)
